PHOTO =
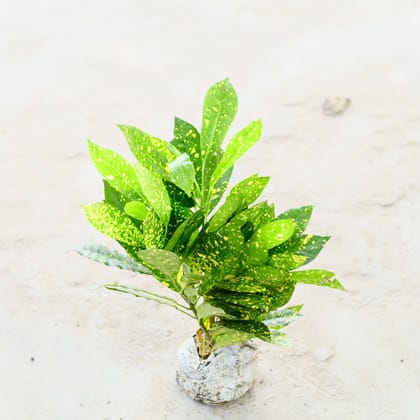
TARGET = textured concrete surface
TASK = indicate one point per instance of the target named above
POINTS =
(72, 70)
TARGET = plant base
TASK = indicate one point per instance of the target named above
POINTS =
(226, 375)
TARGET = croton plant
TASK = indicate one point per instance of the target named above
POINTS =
(234, 265)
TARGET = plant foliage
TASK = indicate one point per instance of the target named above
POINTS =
(233, 267)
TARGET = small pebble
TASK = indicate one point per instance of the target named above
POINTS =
(335, 105)
(323, 354)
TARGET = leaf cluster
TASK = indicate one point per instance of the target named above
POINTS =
(234, 266)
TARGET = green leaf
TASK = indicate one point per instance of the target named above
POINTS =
(253, 328)
(114, 197)
(187, 140)
(164, 265)
(272, 234)
(219, 189)
(113, 222)
(205, 310)
(298, 252)
(241, 195)
(219, 110)
(115, 170)
(151, 152)
(182, 173)
(223, 336)
(136, 210)
(239, 145)
(155, 193)
(102, 254)
(300, 216)
(243, 284)
(151, 296)
(268, 276)
(317, 277)
(281, 317)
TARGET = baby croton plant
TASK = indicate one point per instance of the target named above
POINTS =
(231, 264)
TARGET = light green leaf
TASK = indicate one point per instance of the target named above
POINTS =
(115, 170)
(272, 234)
(151, 296)
(164, 265)
(317, 277)
(182, 173)
(219, 110)
(113, 222)
(242, 194)
(155, 193)
(151, 152)
(136, 210)
(239, 145)
(102, 254)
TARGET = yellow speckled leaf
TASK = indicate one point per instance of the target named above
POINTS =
(114, 223)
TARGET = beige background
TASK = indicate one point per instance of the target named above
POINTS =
(73, 69)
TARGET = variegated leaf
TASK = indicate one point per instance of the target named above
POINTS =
(182, 173)
(155, 193)
(219, 110)
(151, 296)
(187, 140)
(165, 266)
(317, 277)
(241, 195)
(300, 216)
(114, 223)
(153, 153)
(239, 145)
(115, 170)
(102, 254)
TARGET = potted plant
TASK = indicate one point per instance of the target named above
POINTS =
(232, 266)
